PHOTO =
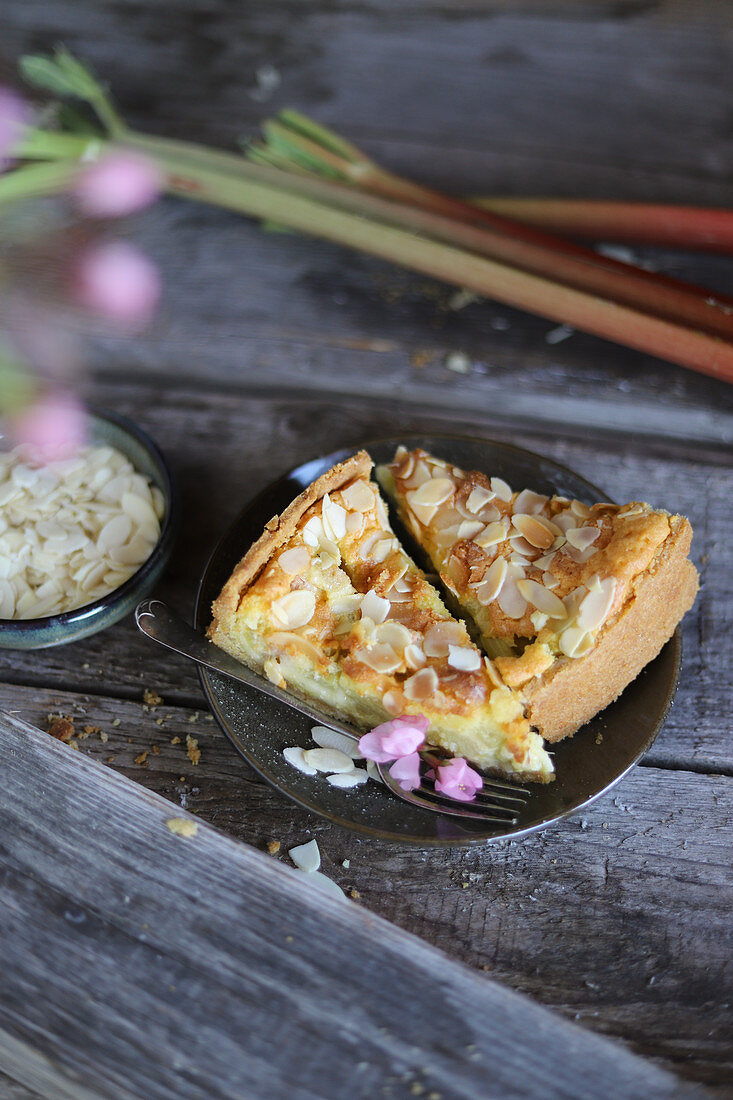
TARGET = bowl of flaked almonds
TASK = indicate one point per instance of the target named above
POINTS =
(84, 538)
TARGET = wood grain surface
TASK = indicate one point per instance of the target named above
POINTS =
(270, 349)
(132, 925)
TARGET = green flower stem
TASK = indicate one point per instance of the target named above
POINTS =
(35, 180)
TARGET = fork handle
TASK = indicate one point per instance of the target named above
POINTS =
(156, 620)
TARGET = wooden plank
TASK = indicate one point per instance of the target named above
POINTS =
(642, 875)
(292, 308)
(241, 976)
(221, 449)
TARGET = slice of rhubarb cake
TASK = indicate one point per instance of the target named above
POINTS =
(328, 605)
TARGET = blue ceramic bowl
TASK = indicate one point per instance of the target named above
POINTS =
(70, 626)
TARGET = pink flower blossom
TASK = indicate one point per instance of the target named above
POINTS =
(457, 780)
(120, 282)
(406, 771)
(118, 184)
(52, 428)
(13, 116)
(396, 738)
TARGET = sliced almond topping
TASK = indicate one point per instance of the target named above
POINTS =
(582, 537)
(565, 520)
(456, 571)
(419, 474)
(380, 658)
(501, 489)
(422, 685)
(545, 561)
(545, 601)
(394, 634)
(392, 702)
(464, 658)
(520, 545)
(575, 642)
(492, 534)
(511, 601)
(579, 509)
(358, 496)
(287, 640)
(422, 512)
(536, 530)
(414, 656)
(445, 538)
(382, 549)
(313, 531)
(294, 609)
(436, 491)
(580, 557)
(631, 510)
(440, 636)
(333, 517)
(596, 605)
(329, 554)
(294, 561)
(403, 463)
(530, 503)
(469, 528)
(448, 517)
(493, 673)
(374, 607)
(492, 583)
(354, 523)
(573, 601)
(478, 498)
(549, 580)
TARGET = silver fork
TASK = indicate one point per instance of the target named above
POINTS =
(496, 802)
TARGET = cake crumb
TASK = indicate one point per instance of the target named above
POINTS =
(88, 731)
(61, 726)
(599, 739)
(151, 698)
(193, 752)
(156, 750)
(181, 826)
(103, 737)
(175, 740)
(142, 759)
(354, 893)
(273, 847)
(115, 721)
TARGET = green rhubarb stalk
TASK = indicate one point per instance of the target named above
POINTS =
(293, 140)
(398, 232)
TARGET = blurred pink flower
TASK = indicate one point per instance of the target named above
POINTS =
(14, 115)
(457, 780)
(118, 184)
(118, 281)
(54, 427)
(399, 737)
(406, 771)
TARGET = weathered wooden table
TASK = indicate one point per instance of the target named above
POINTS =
(136, 963)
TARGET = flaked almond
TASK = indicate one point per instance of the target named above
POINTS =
(392, 702)
(374, 607)
(434, 492)
(414, 656)
(464, 658)
(493, 580)
(440, 636)
(549, 580)
(358, 496)
(575, 642)
(544, 600)
(530, 503)
(580, 557)
(595, 607)
(582, 537)
(422, 512)
(284, 639)
(456, 571)
(468, 529)
(294, 609)
(313, 531)
(520, 546)
(419, 474)
(501, 489)
(403, 462)
(382, 549)
(478, 498)
(422, 685)
(510, 599)
(445, 538)
(492, 534)
(294, 561)
(536, 530)
(493, 673)
(573, 600)
(545, 561)
(354, 523)
(579, 509)
(333, 517)
(394, 634)
(380, 658)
